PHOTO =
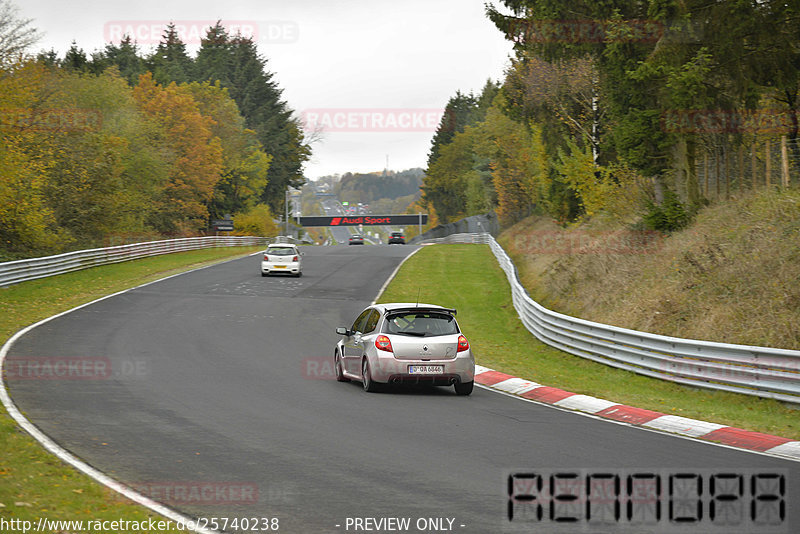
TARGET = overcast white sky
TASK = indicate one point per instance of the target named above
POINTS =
(376, 73)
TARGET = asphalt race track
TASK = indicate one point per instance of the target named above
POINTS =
(221, 377)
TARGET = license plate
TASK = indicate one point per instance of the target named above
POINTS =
(425, 369)
(280, 266)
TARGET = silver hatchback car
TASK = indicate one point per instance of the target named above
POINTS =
(405, 343)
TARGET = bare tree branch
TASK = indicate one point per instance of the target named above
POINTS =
(16, 34)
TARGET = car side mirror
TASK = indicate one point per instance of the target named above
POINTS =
(342, 331)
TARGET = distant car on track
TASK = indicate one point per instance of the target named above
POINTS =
(282, 258)
(356, 239)
(405, 343)
(397, 238)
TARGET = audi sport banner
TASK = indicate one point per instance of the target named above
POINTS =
(366, 220)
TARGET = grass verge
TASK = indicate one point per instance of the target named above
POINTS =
(34, 483)
(482, 296)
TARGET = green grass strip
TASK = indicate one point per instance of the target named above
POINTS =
(467, 277)
(34, 483)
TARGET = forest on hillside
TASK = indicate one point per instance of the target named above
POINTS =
(643, 112)
(121, 146)
(387, 192)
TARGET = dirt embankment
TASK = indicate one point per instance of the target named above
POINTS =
(732, 276)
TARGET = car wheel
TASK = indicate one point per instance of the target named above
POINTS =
(337, 367)
(366, 378)
(264, 274)
(464, 388)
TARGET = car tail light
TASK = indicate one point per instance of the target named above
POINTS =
(266, 258)
(294, 259)
(383, 343)
(463, 344)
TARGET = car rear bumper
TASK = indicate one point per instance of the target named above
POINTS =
(455, 370)
(437, 380)
(268, 267)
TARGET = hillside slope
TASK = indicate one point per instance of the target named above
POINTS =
(733, 276)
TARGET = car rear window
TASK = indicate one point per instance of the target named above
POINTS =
(421, 324)
(281, 251)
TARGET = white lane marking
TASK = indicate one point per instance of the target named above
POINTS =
(683, 425)
(64, 455)
(790, 448)
(585, 403)
(517, 386)
(479, 369)
(391, 276)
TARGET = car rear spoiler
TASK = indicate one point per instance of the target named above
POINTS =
(451, 311)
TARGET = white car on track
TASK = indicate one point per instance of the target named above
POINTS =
(282, 258)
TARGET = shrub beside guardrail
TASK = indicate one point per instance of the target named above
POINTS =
(13, 272)
(761, 371)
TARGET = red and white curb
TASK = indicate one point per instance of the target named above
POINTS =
(692, 428)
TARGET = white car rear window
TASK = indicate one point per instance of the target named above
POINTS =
(281, 251)
(421, 324)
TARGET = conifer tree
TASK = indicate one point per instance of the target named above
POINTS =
(170, 62)
(127, 59)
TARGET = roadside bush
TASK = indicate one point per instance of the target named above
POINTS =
(669, 216)
(257, 221)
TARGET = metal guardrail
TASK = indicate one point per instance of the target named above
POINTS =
(760, 371)
(477, 224)
(13, 272)
(481, 239)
